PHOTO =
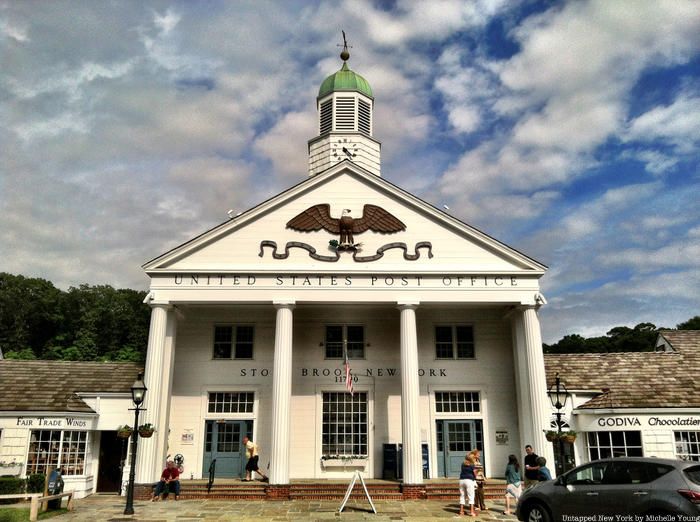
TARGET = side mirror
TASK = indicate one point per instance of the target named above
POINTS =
(561, 481)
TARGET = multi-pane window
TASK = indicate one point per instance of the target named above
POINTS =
(233, 342)
(457, 402)
(340, 337)
(65, 450)
(231, 402)
(454, 342)
(344, 424)
(687, 445)
(606, 444)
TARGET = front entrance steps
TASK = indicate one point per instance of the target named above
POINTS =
(235, 489)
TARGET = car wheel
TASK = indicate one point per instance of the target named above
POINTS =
(537, 513)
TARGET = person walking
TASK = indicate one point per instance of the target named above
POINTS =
(513, 482)
(531, 467)
(251, 452)
(467, 486)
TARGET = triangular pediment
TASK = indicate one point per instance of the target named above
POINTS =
(260, 241)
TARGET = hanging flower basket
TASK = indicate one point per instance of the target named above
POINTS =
(146, 430)
(551, 436)
(569, 437)
(124, 432)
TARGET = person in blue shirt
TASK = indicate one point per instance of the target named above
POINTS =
(467, 486)
(543, 473)
(514, 485)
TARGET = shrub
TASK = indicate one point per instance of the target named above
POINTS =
(35, 483)
(10, 486)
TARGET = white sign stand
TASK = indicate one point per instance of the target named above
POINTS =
(349, 491)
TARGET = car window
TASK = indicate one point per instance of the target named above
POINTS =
(655, 470)
(592, 474)
(693, 474)
(617, 473)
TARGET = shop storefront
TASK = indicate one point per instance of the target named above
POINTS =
(65, 415)
(634, 404)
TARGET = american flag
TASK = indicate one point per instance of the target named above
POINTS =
(348, 374)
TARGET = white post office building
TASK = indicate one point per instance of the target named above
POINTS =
(252, 322)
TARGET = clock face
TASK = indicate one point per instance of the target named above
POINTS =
(344, 148)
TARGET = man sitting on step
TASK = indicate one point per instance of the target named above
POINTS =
(169, 482)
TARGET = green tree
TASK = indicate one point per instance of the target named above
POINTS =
(691, 324)
(85, 323)
(29, 313)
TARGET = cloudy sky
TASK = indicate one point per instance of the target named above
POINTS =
(568, 130)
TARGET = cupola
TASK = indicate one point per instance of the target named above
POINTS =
(345, 108)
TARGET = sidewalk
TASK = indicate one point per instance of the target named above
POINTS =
(99, 508)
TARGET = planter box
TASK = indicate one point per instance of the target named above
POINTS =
(344, 463)
(15, 470)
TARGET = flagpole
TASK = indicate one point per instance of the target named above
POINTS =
(348, 373)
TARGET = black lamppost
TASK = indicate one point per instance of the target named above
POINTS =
(138, 392)
(558, 396)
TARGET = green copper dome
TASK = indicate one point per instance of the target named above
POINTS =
(345, 80)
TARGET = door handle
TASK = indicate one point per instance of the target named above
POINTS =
(592, 493)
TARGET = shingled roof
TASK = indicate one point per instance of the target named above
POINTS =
(635, 379)
(54, 385)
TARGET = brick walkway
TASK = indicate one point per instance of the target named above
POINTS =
(99, 508)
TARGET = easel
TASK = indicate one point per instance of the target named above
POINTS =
(351, 487)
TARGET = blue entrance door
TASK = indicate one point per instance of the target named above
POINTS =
(456, 438)
(223, 442)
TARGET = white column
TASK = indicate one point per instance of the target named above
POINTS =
(281, 394)
(521, 381)
(535, 385)
(410, 395)
(150, 454)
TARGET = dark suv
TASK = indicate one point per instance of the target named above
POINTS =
(618, 486)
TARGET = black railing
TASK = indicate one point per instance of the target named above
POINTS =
(212, 472)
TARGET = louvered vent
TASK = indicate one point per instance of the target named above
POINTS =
(363, 117)
(345, 114)
(326, 117)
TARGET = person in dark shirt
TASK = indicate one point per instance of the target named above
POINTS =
(531, 467)
(467, 486)
(169, 482)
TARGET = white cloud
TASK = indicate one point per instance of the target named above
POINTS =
(13, 31)
(422, 20)
(285, 145)
(677, 124)
(167, 22)
(128, 131)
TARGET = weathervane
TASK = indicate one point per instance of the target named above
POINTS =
(345, 54)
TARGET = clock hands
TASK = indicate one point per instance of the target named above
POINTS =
(350, 154)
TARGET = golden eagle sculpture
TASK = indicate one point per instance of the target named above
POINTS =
(373, 218)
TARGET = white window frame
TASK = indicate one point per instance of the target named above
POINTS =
(454, 327)
(613, 447)
(344, 327)
(349, 400)
(60, 452)
(690, 446)
(234, 335)
(231, 403)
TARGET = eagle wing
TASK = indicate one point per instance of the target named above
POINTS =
(315, 218)
(377, 219)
